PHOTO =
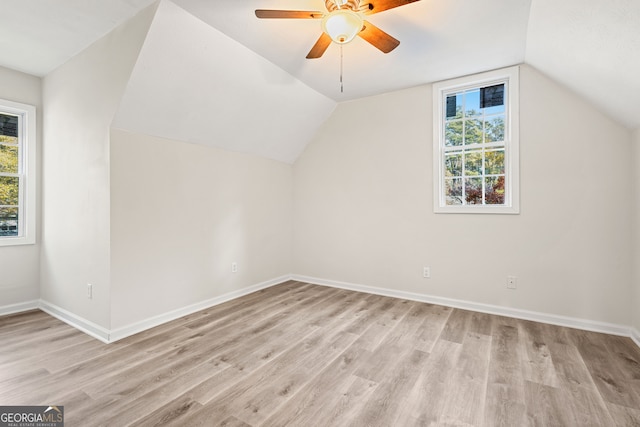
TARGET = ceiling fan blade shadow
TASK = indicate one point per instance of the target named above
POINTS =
(288, 14)
(375, 6)
(378, 38)
(320, 47)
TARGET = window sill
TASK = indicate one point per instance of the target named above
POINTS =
(16, 241)
(495, 210)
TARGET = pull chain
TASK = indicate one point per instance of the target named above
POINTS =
(341, 86)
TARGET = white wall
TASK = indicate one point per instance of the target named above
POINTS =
(363, 208)
(80, 99)
(20, 265)
(182, 213)
(635, 300)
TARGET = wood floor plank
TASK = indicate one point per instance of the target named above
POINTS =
(435, 319)
(279, 379)
(537, 365)
(624, 416)
(428, 395)
(154, 396)
(397, 342)
(609, 378)
(17, 377)
(328, 389)
(481, 323)
(378, 307)
(626, 357)
(546, 406)
(505, 404)
(383, 406)
(298, 354)
(225, 316)
(267, 396)
(291, 329)
(173, 414)
(457, 326)
(466, 395)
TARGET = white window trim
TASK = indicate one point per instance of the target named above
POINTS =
(512, 140)
(27, 231)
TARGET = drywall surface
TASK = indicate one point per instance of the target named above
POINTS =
(635, 300)
(363, 208)
(20, 264)
(182, 213)
(80, 100)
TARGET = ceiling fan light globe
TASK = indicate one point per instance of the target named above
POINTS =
(342, 25)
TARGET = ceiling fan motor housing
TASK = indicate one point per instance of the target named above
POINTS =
(342, 4)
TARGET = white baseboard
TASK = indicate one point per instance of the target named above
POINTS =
(123, 332)
(19, 307)
(571, 322)
(635, 336)
(108, 336)
(76, 321)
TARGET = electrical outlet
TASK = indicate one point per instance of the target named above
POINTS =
(426, 272)
(89, 291)
(234, 267)
(512, 282)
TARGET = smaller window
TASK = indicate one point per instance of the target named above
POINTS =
(17, 173)
(475, 143)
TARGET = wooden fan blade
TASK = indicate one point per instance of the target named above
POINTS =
(320, 47)
(378, 38)
(376, 6)
(288, 14)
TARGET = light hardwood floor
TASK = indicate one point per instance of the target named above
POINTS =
(303, 355)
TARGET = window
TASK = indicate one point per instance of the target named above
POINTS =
(476, 143)
(17, 173)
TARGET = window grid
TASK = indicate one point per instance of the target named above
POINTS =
(464, 117)
(11, 215)
(17, 173)
(475, 128)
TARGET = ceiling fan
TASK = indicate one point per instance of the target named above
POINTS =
(343, 21)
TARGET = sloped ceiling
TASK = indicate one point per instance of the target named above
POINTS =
(593, 47)
(192, 83)
(37, 36)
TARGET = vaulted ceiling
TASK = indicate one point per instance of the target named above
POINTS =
(591, 46)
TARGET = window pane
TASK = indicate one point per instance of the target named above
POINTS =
(453, 164)
(473, 191)
(453, 133)
(9, 139)
(454, 107)
(8, 158)
(453, 191)
(473, 131)
(498, 109)
(494, 186)
(492, 96)
(472, 103)
(473, 163)
(8, 222)
(8, 125)
(9, 190)
(494, 162)
(494, 129)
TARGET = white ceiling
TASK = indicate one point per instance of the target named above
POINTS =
(592, 46)
(438, 40)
